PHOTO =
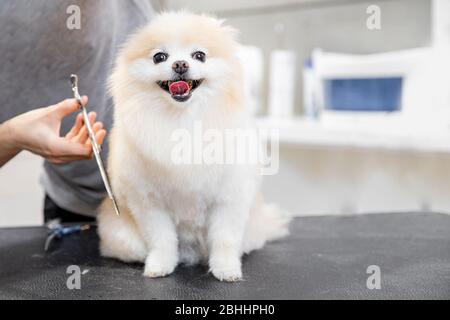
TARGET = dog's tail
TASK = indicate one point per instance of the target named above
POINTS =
(266, 223)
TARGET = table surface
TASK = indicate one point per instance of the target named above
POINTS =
(323, 258)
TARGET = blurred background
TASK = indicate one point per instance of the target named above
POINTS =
(360, 93)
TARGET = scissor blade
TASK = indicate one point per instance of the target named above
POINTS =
(106, 181)
(116, 207)
(95, 146)
(49, 240)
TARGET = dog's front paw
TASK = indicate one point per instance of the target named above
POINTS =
(226, 269)
(159, 265)
(227, 274)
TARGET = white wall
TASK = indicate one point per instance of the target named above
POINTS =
(21, 196)
(441, 22)
(346, 181)
(232, 5)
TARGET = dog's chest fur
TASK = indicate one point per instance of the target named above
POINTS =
(186, 192)
(188, 195)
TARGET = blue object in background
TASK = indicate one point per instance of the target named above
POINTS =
(363, 94)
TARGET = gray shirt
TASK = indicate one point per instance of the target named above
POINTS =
(38, 52)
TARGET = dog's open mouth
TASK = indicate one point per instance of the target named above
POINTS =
(180, 90)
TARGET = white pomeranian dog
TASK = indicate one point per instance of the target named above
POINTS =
(179, 70)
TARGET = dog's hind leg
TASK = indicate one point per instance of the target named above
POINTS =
(119, 236)
(266, 223)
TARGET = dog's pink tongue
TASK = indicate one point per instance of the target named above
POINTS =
(179, 87)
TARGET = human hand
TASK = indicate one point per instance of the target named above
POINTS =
(38, 131)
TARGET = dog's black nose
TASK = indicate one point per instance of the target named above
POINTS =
(180, 66)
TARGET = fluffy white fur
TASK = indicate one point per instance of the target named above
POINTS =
(174, 213)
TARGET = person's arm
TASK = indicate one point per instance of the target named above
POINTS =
(8, 149)
(38, 131)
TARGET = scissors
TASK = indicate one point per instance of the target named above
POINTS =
(95, 146)
(58, 231)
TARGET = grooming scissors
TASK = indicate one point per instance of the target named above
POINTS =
(95, 146)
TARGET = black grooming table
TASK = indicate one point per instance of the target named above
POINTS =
(324, 258)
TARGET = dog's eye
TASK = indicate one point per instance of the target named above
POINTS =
(160, 57)
(200, 56)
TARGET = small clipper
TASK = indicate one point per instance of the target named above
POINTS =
(95, 146)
